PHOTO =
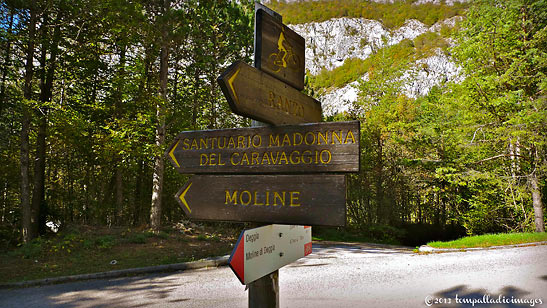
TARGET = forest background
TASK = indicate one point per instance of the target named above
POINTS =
(92, 92)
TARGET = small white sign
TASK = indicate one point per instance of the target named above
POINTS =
(263, 250)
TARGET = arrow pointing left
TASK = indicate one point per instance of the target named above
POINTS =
(181, 197)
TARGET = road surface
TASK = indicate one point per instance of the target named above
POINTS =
(332, 276)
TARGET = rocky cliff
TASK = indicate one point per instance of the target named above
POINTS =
(330, 43)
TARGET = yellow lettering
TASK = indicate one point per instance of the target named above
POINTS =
(299, 142)
(259, 143)
(265, 156)
(212, 159)
(248, 197)
(283, 157)
(271, 99)
(254, 158)
(308, 157)
(230, 198)
(232, 159)
(286, 139)
(186, 144)
(240, 141)
(297, 161)
(274, 141)
(203, 143)
(350, 134)
(277, 196)
(203, 159)
(231, 143)
(194, 144)
(322, 136)
(267, 198)
(274, 161)
(294, 198)
(220, 163)
(223, 143)
(329, 155)
(255, 202)
(244, 158)
(306, 138)
(339, 137)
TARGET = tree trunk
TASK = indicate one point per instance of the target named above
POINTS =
(6, 65)
(537, 203)
(46, 93)
(157, 184)
(118, 113)
(28, 222)
(379, 180)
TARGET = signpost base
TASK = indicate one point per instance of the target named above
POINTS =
(264, 292)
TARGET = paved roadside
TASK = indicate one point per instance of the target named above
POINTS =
(205, 263)
(223, 261)
(341, 275)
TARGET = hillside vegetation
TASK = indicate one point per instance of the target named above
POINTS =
(403, 54)
(392, 15)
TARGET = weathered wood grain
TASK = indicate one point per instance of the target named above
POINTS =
(257, 95)
(285, 199)
(306, 148)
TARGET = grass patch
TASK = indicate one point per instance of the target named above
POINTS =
(86, 249)
(488, 240)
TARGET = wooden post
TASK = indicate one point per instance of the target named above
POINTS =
(264, 292)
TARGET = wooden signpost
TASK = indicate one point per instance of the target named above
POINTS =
(257, 95)
(263, 250)
(279, 51)
(267, 164)
(305, 148)
(287, 199)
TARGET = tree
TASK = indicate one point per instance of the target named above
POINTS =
(502, 48)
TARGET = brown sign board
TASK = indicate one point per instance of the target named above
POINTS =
(257, 95)
(279, 51)
(306, 148)
(284, 199)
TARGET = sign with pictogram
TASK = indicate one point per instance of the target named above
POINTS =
(279, 51)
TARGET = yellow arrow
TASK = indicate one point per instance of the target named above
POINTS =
(231, 83)
(181, 197)
(173, 155)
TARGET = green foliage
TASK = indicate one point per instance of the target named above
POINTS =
(400, 55)
(137, 238)
(105, 242)
(466, 153)
(102, 116)
(31, 250)
(392, 15)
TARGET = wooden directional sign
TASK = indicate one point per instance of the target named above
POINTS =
(279, 51)
(263, 250)
(285, 199)
(257, 95)
(306, 148)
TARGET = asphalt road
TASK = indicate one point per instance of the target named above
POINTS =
(333, 276)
